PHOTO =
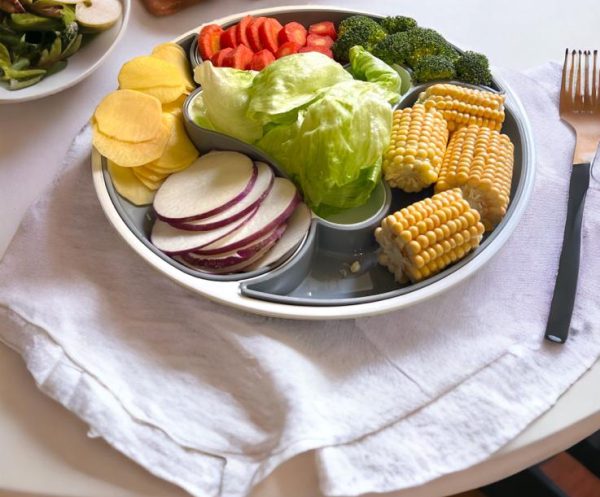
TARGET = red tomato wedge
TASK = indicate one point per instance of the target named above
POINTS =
(323, 50)
(229, 37)
(209, 40)
(287, 49)
(242, 31)
(261, 60)
(325, 28)
(313, 40)
(253, 36)
(268, 33)
(292, 31)
(239, 58)
(218, 59)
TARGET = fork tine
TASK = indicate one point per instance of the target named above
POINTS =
(587, 94)
(563, 86)
(578, 97)
(571, 74)
(595, 83)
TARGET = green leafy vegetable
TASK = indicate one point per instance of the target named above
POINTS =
(334, 148)
(16, 84)
(4, 55)
(367, 67)
(36, 36)
(51, 55)
(32, 22)
(23, 73)
(199, 113)
(289, 84)
(226, 94)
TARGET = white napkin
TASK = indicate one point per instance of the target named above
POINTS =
(213, 399)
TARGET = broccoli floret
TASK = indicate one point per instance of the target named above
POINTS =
(352, 21)
(424, 42)
(433, 67)
(398, 24)
(393, 49)
(357, 30)
(474, 68)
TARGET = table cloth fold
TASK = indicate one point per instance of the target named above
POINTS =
(214, 399)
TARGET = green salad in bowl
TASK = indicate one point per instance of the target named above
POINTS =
(37, 37)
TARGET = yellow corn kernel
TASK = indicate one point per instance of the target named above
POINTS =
(418, 142)
(480, 162)
(420, 240)
(462, 106)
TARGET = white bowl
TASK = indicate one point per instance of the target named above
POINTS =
(79, 66)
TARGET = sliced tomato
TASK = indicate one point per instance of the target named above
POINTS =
(242, 31)
(268, 33)
(325, 28)
(218, 59)
(313, 40)
(323, 50)
(287, 49)
(239, 58)
(261, 60)
(209, 40)
(292, 31)
(229, 37)
(253, 36)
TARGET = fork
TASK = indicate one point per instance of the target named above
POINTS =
(580, 108)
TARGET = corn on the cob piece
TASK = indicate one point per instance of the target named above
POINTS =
(420, 240)
(414, 156)
(480, 162)
(463, 106)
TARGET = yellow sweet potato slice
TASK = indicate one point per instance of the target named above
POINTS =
(152, 185)
(127, 154)
(149, 72)
(129, 116)
(128, 186)
(180, 151)
(172, 52)
(151, 166)
(149, 173)
(165, 94)
(175, 107)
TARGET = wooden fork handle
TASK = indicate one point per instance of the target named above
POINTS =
(563, 300)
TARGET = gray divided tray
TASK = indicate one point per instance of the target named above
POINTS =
(318, 272)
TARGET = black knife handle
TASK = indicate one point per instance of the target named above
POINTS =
(563, 300)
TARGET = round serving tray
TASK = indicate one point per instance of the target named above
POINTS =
(316, 281)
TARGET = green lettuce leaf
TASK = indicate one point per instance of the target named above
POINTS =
(366, 67)
(226, 98)
(199, 113)
(333, 150)
(284, 87)
(279, 142)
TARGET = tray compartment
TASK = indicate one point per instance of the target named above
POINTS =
(306, 16)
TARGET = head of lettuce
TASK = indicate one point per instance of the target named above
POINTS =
(327, 130)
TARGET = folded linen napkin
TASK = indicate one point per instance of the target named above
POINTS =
(213, 399)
